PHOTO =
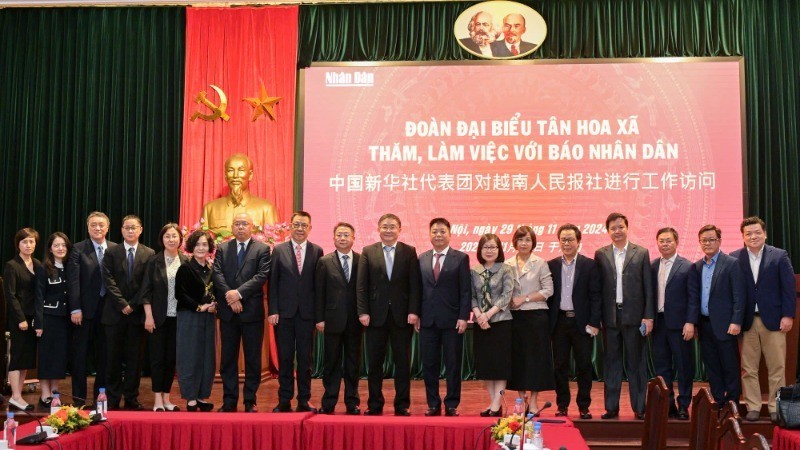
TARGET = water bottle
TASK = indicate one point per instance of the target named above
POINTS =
(102, 403)
(55, 404)
(538, 439)
(519, 409)
(10, 430)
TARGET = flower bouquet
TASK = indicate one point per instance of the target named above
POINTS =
(268, 234)
(68, 419)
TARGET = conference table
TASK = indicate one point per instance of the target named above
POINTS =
(783, 439)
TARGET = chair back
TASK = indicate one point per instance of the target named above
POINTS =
(730, 435)
(756, 442)
(704, 421)
(656, 415)
(729, 409)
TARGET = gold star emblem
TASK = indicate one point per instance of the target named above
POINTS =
(262, 104)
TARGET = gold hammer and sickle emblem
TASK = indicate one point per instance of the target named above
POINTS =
(217, 111)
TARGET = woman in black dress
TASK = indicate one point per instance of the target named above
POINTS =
(20, 283)
(492, 286)
(161, 311)
(196, 323)
(52, 316)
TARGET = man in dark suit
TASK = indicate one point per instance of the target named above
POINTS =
(677, 312)
(628, 312)
(722, 300)
(241, 268)
(575, 318)
(87, 291)
(446, 301)
(388, 305)
(769, 314)
(291, 311)
(336, 316)
(124, 267)
(512, 45)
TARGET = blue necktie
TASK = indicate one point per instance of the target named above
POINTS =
(240, 256)
(346, 267)
(130, 264)
(100, 267)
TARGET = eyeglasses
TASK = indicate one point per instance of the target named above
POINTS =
(665, 241)
(708, 241)
(241, 224)
(343, 235)
(389, 227)
(300, 225)
(131, 228)
(568, 240)
(490, 247)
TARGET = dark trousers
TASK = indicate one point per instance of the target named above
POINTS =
(435, 343)
(629, 337)
(567, 337)
(669, 349)
(125, 342)
(88, 339)
(342, 357)
(250, 335)
(721, 359)
(161, 343)
(295, 338)
(400, 339)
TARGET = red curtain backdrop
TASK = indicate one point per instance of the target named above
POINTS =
(238, 49)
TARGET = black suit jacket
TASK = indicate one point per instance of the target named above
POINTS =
(727, 298)
(20, 291)
(586, 298)
(500, 50)
(122, 292)
(155, 287)
(335, 301)
(638, 301)
(376, 292)
(447, 300)
(249, 280)
(84, 276)
(680, 296)
(292, 292)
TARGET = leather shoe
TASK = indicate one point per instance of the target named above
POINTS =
(282, 408)
(134, 406)
(752, 415)
(683, 414)
(451, 412)
(45, 403)
(373, 412)
(610, 415)
(354, 411)
(325, 411)
(403, 412)
(562, 412)
(205, 406)
(586, 415)
(638, 415)
(227, 409)
(437, 411)
(305, 407)
(250, 407)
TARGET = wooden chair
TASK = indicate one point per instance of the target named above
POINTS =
(729, 409)
(656, 415)
(756, 442)
(704, 421)
(730, 435)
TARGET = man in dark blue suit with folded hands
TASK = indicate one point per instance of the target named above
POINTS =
(677, 310)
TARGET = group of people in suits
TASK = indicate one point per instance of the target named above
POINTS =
(97, 299)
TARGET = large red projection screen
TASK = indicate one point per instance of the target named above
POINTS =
(493, 147)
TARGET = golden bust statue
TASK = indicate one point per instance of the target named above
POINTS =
(218, 214)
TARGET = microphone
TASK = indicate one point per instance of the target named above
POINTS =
(527, 418)
(545, 406)
(35, 438)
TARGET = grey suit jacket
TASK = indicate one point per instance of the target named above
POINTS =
(638, 301)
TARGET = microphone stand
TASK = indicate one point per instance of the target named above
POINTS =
(35, 438)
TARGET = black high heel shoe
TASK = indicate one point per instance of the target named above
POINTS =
(191, 408)
(205, 406)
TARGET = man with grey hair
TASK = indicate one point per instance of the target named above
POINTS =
(481, 34)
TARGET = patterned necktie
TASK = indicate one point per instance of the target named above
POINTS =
(298, 254)
(346, 267)
(130, 264)
(486, 303)
(514, 50)
(436, 266)
(100, 268)
(389, 252)
(240, 256)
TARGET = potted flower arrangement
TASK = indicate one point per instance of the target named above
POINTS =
(68, 419)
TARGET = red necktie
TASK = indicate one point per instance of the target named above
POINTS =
(436, 267)
(299, 255)
(514, 50)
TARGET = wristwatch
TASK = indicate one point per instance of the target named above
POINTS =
(527, 299)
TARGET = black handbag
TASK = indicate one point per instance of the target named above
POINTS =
(787, 401)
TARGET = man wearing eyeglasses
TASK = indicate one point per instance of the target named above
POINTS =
(123, 314)
(722, 303)
(291, 311)
(388, 303)
(574, 310)
(241, 268)
(629, 307)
